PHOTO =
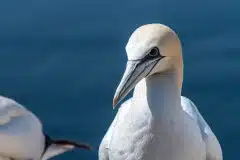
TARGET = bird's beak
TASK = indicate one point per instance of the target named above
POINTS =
(135, 71)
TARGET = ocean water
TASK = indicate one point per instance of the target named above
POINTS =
(64, 59)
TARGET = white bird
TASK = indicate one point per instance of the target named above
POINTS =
(22, 136)
(157, 123)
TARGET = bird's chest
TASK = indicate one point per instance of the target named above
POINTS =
(138, 135)
(131, 134)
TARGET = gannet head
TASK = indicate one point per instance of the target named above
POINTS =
(151, 49)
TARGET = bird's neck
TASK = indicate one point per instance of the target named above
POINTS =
(161, 92)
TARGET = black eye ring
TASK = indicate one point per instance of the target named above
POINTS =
(154, 52)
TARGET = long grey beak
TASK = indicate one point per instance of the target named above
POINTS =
(135, 71)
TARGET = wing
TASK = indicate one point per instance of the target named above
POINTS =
(105, 144)
(103, 148)
(20, 131)
(213, 148)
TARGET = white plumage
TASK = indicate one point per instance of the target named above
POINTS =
(21, 133)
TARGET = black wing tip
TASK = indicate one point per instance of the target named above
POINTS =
(75, 144)
(84, 146)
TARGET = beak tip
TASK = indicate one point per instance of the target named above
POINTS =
(115, 102)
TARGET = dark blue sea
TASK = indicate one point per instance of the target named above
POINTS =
(63, 59)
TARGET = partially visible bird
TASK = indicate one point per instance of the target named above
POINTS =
(22, 136)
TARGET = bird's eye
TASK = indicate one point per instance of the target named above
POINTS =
(154, 52)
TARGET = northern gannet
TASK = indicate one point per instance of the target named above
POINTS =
(157, 123)
(22, 136)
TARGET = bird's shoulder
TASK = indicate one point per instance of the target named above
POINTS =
(10, 109)
(188, 107)
(191, 109)
(213, 148)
